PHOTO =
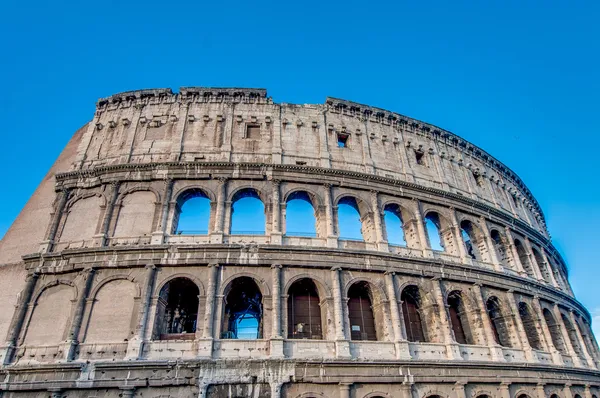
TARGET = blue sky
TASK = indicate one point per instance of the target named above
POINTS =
(518, 78)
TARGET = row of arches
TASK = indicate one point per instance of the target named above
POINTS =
(195, 211)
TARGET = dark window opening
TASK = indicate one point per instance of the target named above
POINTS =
(500, 247)
(498, 322)
(342, 140)
(411, 301)
(243, 310)
(458, 318)
(420, 158)
(530, 326)
(360, 312)
(572, 333)
(177, 310)
(555, 332)
(524, 258)
(252, 131)
(304, 311)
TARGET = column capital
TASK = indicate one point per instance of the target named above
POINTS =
(336, 268)
(390, 273)
(222, 180)
(150, 266)
(211, 265)
(276, 266)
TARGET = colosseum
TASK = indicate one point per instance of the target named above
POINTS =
(129, 274)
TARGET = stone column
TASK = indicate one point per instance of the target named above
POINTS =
(556, 356)
(459, 389)
(382, 244)
(345, 390)
(406, 389)
(425, 244)
(586, 354)
(211, 291)
(566, 337)
(495, 349)
(275, 389)
(514, 309)
(490, 243)
(56, 392)
(136, 344)
(276, 338)
(217, 235)
(567, 390)
(127, 392)
(401, 345)
(457, 233)
(505, 389)
(16, 324)
(73, 339)
(108, 215)
(533, 261)
(515, 255)
(539, 388)
(587, 393)
(48, 245)
(341, 343)
(332, 239)
(276, 235)
(158, 236)
(452, 349)
(550, 270)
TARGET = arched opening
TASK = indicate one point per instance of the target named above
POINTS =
(304, 311)
(243, 310)
(192, 213)
(300, 217)
(500, 247)
(530, 326)
(572, 335)
(394, 226)
(586, 337)
(524, 258)
(467, 235)
(349, 220)
(434, 228)
(541, 265)
(483, 396)
(555, 333)
(360, 312)
(247, 213)
(576, 396)
(411, 303)
(498, 322)
(458, 318)
(177, 310)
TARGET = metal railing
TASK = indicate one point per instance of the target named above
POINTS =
(241, 232)
(191, 232)
(301, 234)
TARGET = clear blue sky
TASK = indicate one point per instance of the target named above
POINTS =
(520, 79)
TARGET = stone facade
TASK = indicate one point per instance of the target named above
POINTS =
(91, 266)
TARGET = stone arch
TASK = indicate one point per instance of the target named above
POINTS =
(135, 212)
(537, 256)
(364, 212)
(438, 227)
(235, 192)
(112, 314)
(402, 214)
(182, 197)
(304, 311)
(412, 312)
(524, 258)
(473, 239)
(459, 320)
(377, 394)
(243, 315)
(243, 193)
(191, 277)
(108, 279)
(83, 207)
(46, 326)
(315, 197)
(177, 309)
(502, 247)
(555, 332)
(523, 394)
(263, 286)
(181, 192)
(530, 325)
(311, 395)
(572, 333)
(316, 218)
(323, 288)
(498, 321)
(482, 394)
(434, 393)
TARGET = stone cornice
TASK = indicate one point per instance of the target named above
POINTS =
(74, 176)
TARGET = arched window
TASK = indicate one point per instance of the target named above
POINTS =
(555, 333)
(247, 213)
(349, 222)
(411, 301)
(530, 326)
(541, 265)
(572, 335)
(304, 311)
(586, 337)
(300, 215)
(576, 396)
(243, 310)
(500, 247)
(524, 258)
(394, 226)
(483, 396)
(177, 310)
(192, 213)
(458, 318)
(498, 322)
(360, 312)
(433, 227)
(467, 235)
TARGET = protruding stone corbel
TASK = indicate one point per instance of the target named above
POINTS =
(268, 119)
(220, 118)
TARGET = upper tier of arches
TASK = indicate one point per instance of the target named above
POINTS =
(243, 125)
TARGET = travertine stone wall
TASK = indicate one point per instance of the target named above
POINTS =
(87, 269)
